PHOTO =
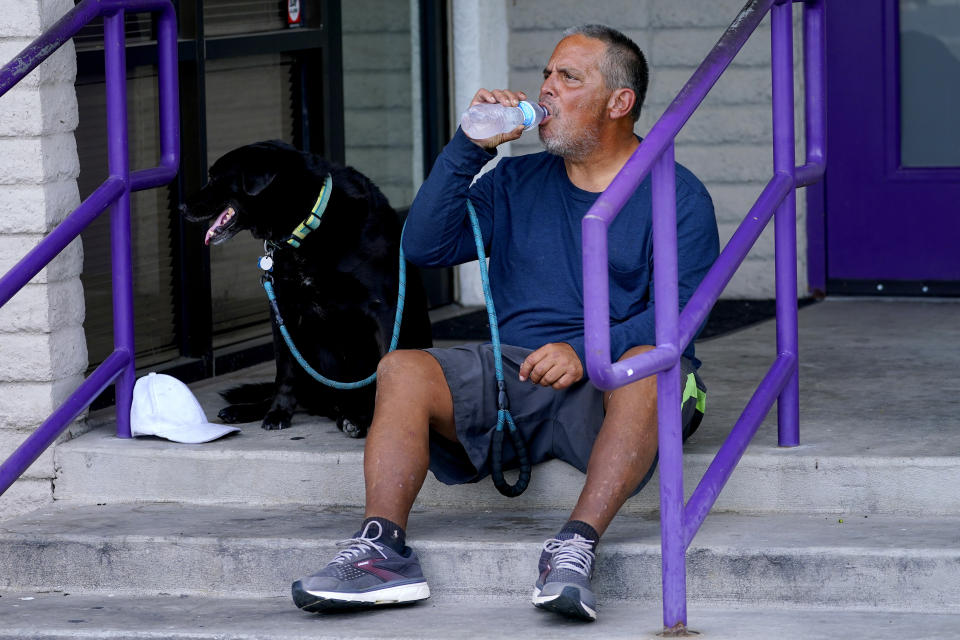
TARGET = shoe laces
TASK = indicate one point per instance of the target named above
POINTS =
(575, 554)
(363, 543)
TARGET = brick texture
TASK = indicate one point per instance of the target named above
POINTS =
(41, 327)
(36, 208)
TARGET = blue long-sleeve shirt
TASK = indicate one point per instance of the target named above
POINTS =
(529, 214)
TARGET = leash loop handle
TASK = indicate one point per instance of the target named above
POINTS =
(496, 463)
(503, 403)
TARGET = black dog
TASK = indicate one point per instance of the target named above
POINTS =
(336, 291)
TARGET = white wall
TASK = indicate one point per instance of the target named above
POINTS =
(41, 335)
(728, 141)
(480, 42)
(380, 102)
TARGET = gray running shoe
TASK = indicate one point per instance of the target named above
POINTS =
(365, 574)
(564, 583)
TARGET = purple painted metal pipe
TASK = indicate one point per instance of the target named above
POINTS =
(169, 95)
(65, 232)
(703, 299)
(814, 73)
(734, 446)
(38, 441)
(115, 68)
(679, 525)
(51, 40)
(611, 201)
(71, 23)
(116, 189)
(785, 221)
(673, 556)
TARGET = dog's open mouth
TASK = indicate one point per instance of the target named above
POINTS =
(219, 231)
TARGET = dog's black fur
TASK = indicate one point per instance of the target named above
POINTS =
(337, 292)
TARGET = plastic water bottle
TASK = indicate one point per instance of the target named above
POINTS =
(484, 120)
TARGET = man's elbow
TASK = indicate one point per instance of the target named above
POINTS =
(419, 254)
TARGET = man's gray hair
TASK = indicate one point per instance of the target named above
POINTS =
(624, 66)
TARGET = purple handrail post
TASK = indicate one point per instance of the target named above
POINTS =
(666, 312)
(115, 67)
(680, 521)
(114, 192)
(785, 218)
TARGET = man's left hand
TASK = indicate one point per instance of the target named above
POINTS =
(554, 365)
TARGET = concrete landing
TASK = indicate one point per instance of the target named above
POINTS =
(878, 431)
(68, 617)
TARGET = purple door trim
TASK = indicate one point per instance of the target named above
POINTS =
(875, 225)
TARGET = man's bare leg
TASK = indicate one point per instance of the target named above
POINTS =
(621, 456)
(623, 451)
(412, 398)
(412, 395)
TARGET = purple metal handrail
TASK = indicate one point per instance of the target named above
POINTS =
(675, 329)
(118, 366)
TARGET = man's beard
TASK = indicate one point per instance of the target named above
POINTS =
(572, 144)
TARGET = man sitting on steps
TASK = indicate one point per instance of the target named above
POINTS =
(436, 409)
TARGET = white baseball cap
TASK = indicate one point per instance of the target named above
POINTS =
(165, 407)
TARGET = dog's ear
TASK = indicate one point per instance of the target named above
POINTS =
(255, 182)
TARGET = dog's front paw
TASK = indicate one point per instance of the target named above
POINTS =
(228, 415)
(276, 419)
(351, 429)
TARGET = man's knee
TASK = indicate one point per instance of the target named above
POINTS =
(414, 376)
(408, 367)
(643, 383)
(643, 391)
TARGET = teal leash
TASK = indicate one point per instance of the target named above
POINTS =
(503, 404)
(267, 281)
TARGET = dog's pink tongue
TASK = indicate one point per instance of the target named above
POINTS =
(219, 221)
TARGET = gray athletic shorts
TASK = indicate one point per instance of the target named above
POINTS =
(555, 424)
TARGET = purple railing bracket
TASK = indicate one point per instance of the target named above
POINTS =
(734, 446)
(785, 219)
(680, 522)
(596, 304)
(119, 366)
(815, 85)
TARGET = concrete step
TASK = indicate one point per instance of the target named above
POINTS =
(32, 616)
(878, 434)
(786, 560)
(313, 463)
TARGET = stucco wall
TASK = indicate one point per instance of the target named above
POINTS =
(41, 334)
(728, 141)
(381, 95)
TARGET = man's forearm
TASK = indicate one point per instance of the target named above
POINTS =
(436, 233)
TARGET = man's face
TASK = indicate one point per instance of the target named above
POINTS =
(576, 96)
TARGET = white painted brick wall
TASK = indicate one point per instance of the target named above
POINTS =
(728, 141)
(378, 95)
(480, 37)
(38, 159)
(36, 208)
(41, 329)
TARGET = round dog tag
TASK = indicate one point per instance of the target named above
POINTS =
(265, 263)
